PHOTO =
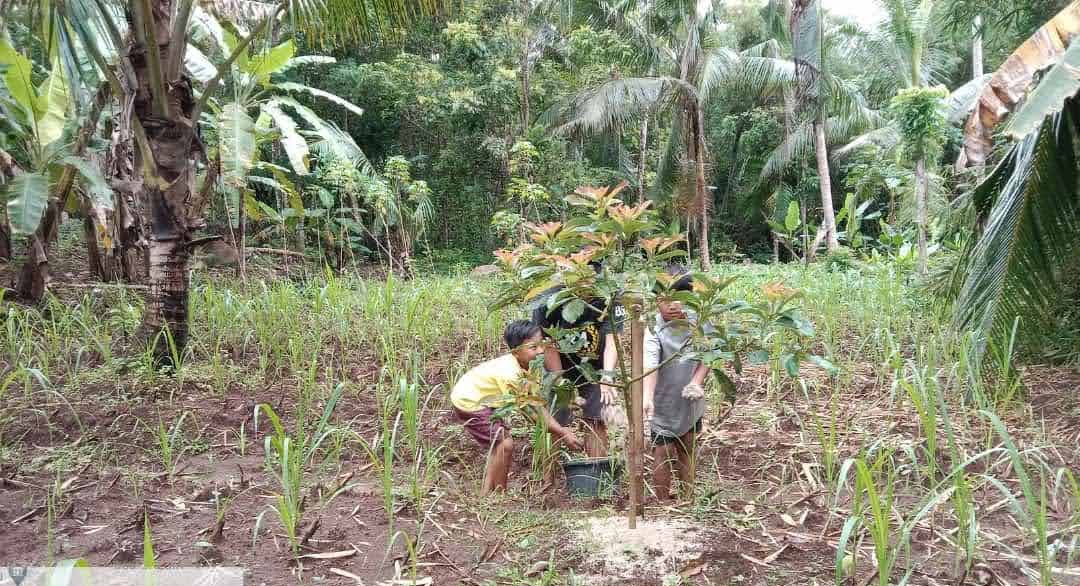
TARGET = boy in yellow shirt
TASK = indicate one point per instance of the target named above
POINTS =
(484, 388)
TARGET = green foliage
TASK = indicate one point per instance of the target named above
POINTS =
(918, 112)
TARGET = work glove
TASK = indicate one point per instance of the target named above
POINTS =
(693, 391)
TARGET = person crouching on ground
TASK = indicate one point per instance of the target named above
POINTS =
(673, 399)
(485, 387)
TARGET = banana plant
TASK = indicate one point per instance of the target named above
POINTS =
(262, 112)
(36, 117)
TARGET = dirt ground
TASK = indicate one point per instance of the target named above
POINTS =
(759, 516)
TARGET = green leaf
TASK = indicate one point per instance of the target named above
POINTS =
(198, 64)
(825, 365)
(61, 575)
(17, 77)
(296, 146)
(326, 198)
(53, 101)
(727, 386)
(333, 139)
(1061, 82)
(27, 196)
(149, 563)
(573, 310)
(790, 362)
(299, 87)
(237, 143)
(269, 62)
(758, 357)
(792, 220)
(307, 60)
(97, 187)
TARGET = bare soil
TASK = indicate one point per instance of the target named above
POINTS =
(760, 515)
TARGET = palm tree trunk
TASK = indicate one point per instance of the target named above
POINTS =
(825, 183)
(643, 152)
(525, 83)
(702, 189)
(921, 189)
(169, 171)
(976, 49)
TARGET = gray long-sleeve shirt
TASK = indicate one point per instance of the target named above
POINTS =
(672, 414)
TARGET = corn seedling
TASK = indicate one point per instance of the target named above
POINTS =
(923, 391)
(409, 401)
(149, 558)
(827, 435)
(873, 509)
(168, 444)
(381, 452)
(1032, 510)
(543, 452)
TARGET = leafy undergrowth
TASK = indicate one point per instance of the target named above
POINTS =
(908, 460)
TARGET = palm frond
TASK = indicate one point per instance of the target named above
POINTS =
(609, 105)
(671, 167)
(885, 138)
(1032, 228)
(962, 99)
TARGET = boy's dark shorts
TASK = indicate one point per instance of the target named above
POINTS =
(663, 440)
(482, 427)
(590, 411)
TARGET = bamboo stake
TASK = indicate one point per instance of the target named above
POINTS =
(635, 432)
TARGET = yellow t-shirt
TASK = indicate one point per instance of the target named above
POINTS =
(486, 383)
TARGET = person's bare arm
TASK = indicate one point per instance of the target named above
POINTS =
(648, 392)
(552, 360)
(561, 433)
(699, 374)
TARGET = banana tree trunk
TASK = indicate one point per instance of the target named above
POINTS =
(825, 183)
(5, 243)
(170, 212)
(921, 189)
(34, 275)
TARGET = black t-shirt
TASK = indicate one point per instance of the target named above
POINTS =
(588, 333)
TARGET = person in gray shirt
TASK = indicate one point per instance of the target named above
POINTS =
(673, 399)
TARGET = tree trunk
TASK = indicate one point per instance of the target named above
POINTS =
(5, 243)
(702, 189)
(825, 182)
(976, 48)
(167, 166)
(34, 274)
(643, 152)
(921, 189)
(241, 241)
(525, 82)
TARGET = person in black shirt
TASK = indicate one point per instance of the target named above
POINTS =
(592, 335)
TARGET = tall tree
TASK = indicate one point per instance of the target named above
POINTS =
(688, 75)
(905, 36)
(164, 115)
(821, 109)
(806, 37)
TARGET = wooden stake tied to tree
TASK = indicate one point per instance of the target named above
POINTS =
(611, 252)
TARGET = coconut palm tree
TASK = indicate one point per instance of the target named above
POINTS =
(691, 66)
(1028, 207)
(144, 60)
(822, 108)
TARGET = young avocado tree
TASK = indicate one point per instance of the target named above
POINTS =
(633, 251)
